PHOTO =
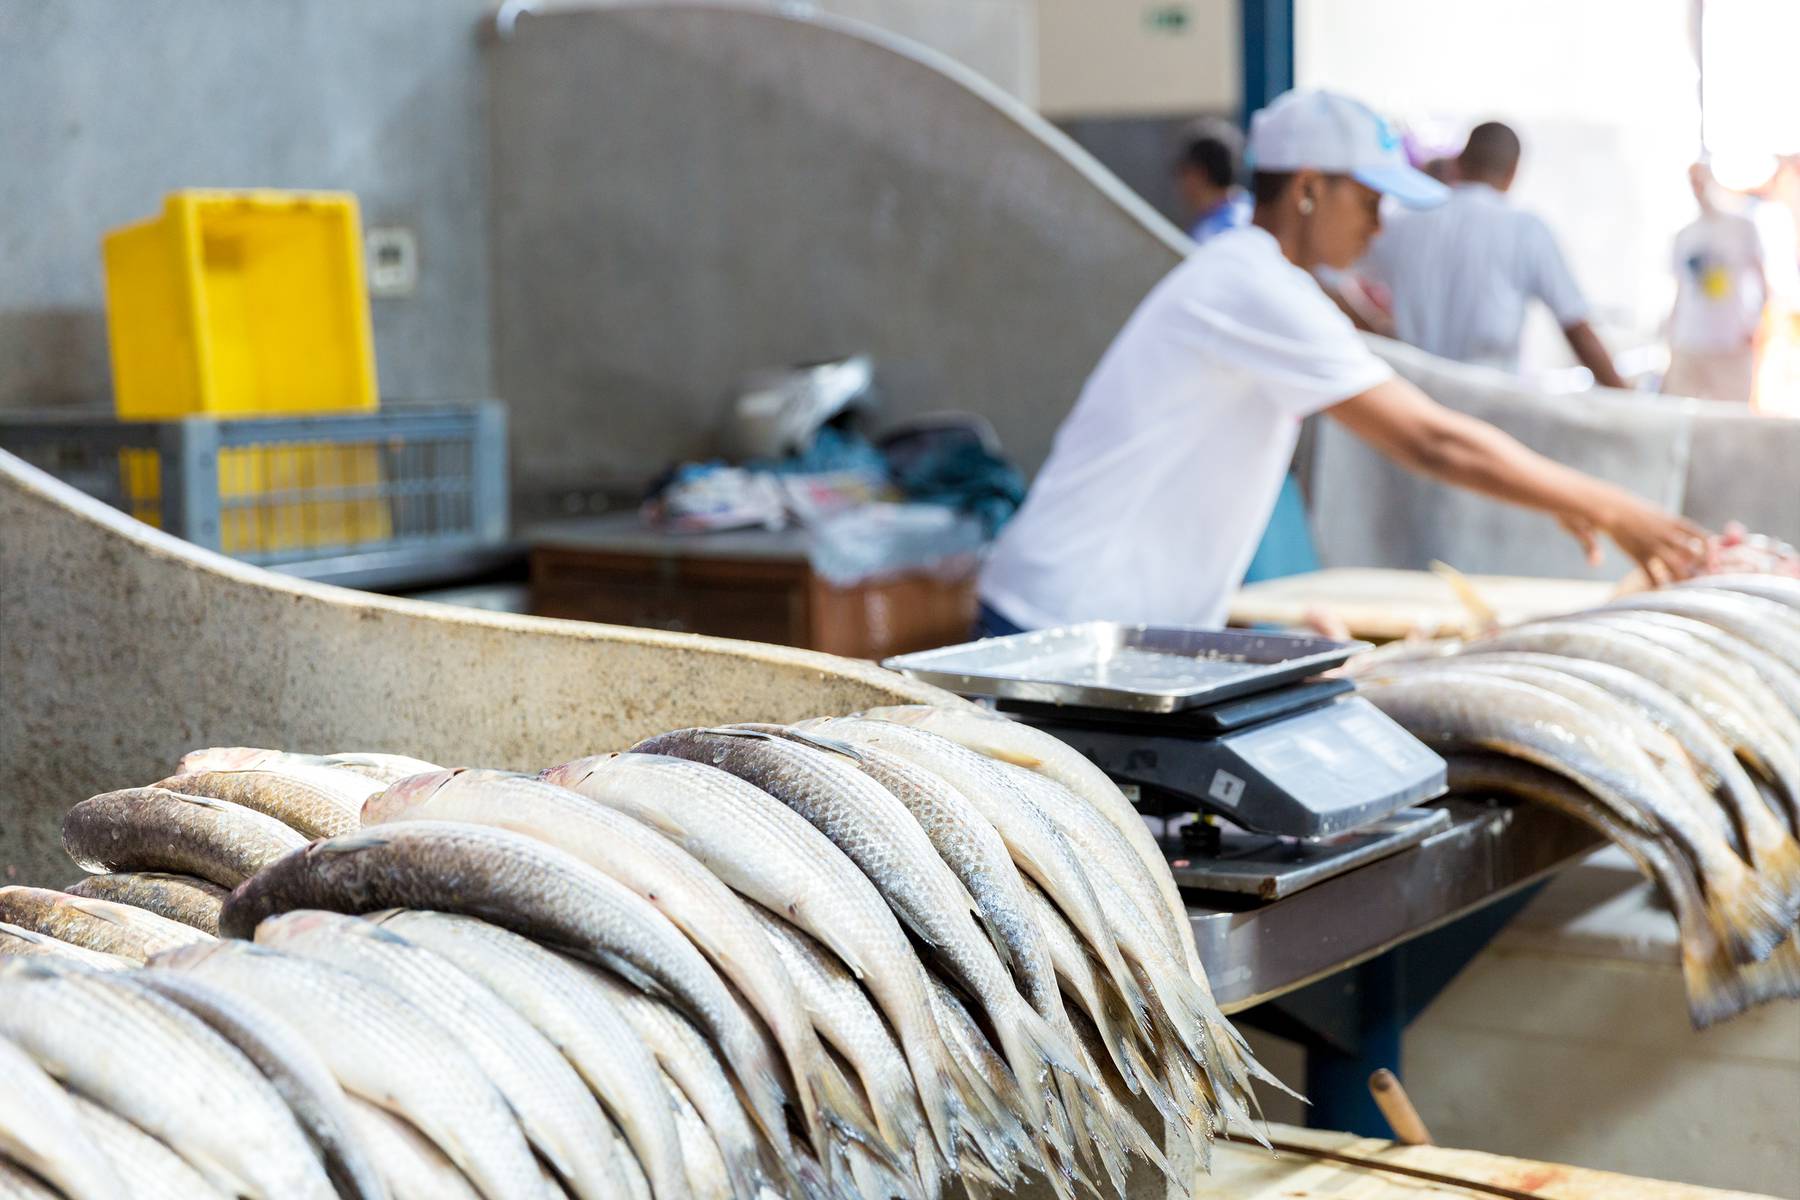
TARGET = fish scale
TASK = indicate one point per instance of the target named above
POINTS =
(97, 925)
(41, 1129)
(154, 829)
(184, 898)
(156, 1172)
(313, 801)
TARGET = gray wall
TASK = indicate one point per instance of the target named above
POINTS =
(107, 104)
(685, 193)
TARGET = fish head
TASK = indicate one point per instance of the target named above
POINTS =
(399, 798)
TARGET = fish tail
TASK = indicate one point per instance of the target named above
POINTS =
(1749, 912)
(1778, 864)
(834, 1107)
(1777, 977)
(1716, 987)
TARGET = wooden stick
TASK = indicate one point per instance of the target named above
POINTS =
(1375, 1164)
(1397, 1107)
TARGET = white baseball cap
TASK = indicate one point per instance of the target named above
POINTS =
(1312, 130)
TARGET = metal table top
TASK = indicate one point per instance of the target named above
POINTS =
(1256, 950)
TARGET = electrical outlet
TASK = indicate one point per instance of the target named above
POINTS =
(393, 260)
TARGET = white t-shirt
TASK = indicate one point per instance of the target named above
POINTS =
(1462, 273)
(1718, 285)
(1161, 480)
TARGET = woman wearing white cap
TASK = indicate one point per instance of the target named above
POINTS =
(1162, 478)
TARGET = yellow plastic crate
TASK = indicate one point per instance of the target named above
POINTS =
(240, 303)
(245, 304)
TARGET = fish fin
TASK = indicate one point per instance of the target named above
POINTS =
(99, 910)
(829, 745)
(352, 843)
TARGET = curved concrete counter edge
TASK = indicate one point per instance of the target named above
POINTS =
(122, 647)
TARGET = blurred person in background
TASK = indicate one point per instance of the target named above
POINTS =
(1209, 177)
(1720, 290)
(1460, 275)
(1163, 477)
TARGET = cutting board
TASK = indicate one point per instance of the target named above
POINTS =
(1382, 605)
(1252, 1173)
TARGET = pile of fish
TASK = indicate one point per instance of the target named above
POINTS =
(1670, 721)
(892, 954)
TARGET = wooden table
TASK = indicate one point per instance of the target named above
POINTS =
(752, 584)
(1383, 605)
(1251, 1173)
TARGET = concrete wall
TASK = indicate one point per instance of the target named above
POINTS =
(107, 104)
(688, 192)
(122, 648)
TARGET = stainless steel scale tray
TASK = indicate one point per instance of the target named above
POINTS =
(1132, 668)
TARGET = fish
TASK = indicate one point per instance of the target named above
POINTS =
(382, 1049)
(1771, 626)
(41, 1130)
(156, 1172)
(531, 888)
(665, 875)
(1774, 588)
(100, 925)
(17, 1184)
(185, 898)
(382, 768)
(1766, 842)
(411, 1165)
(555, 995)
(849, 1021)
(153, 829)
(691, 1066)
(876, 831)
(1714, 989)
(311, 800)
(18, 942)
(1719, 702)
(1037, 847)
(160, 1067)
(1724, 651)
(287, 1061)
(554, 1107)
(704, 1164)
(770, 854)
(1468, 711)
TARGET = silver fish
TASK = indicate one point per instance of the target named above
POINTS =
(184, 898)
(651, 865)
(1470, 711)
(98, 925)
(1776, 588)
(382, 768)
(410, 1164)
(156, 1172)
(559, 999)
(384, 1050)
(162, 1069)
(553, 1105)
(153, 829)
(18, 1184)
(1767, 624)
(288, 1062)
(40, 1129)
(773, 856)
(531, 888)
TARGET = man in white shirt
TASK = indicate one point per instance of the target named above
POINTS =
(1461, 275)
(1163, 477)
(1720, 290)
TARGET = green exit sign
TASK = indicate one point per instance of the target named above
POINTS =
(1168, 18)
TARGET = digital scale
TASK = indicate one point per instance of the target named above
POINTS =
(1268, 778)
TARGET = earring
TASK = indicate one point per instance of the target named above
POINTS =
(1306, 206)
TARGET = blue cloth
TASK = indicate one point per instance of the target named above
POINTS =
(1229, 213)
(989, 623)
(1287, 546)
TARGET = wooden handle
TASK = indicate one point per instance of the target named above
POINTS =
(1394, 1104)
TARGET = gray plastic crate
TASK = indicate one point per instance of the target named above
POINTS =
(282, 490)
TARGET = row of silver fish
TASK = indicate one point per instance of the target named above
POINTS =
(894, 954)
(1670, 721)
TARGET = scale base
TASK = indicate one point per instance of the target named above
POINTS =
(1269, 867)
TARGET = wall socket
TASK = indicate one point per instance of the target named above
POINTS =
(393, 260)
